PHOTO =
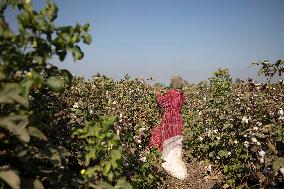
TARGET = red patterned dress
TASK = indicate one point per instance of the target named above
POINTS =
(172, 121)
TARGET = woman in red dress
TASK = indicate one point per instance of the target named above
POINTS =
(167, 136)
(172, 121)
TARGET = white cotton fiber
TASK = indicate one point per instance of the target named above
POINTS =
(172, 155)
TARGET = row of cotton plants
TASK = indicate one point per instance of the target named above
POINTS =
(237, 129)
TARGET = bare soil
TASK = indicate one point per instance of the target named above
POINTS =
(198, 178)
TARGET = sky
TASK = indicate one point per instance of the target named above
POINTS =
(161, 38)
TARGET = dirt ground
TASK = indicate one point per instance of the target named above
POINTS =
(197, 179)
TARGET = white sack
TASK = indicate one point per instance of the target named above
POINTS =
(172, 155)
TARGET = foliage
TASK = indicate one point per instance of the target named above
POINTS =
(125, 99)
(29, 157)
(269, 69)
(65, 132)
(103, 158)
(238, 129)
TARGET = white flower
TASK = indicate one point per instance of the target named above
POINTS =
(281, 170)
(246, 144)
(235, 142)
(254, 140)
(229, 153)
(255, 128)
(218, 138)
(114, 102)
(258, 143)
(261, 153)
(245, 120)
(91, 111)
(200, 113)
(200, 138)
(261, 160)
(76, 105)
(280, 112)
(139, 141)
(215, 130)
(245, 136)
(258, 124)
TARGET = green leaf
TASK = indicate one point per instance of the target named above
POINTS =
(52, 11)
(26, 84)
(122, 184)
(107, 168)
(272, 147)
(277, 164)
(37, 184)
(19, 99)
(18, 130)
(104, 185)
(35, 132)
(110, 176)
(52, 155)
(61, 55)
(55, 83)
(115, 154)
(223, 153)
(77, 53)
(87, 38)
(10, 93)
(67, 76)
(86, 27)
(31, 183)
(11, 178)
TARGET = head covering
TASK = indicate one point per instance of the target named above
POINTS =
(176, 82)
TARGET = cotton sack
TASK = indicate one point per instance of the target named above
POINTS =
(172, 155)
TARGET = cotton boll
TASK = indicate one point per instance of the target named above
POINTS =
(209, 168)
(245, 120)
(76, 105)
(261, 160)
(143, 159)
(261, 153)
(280, 114)
(254, 140)
(246, 144)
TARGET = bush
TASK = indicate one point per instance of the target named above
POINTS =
(29, 83)
(238, 129)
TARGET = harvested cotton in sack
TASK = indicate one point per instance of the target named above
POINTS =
(172, 155)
